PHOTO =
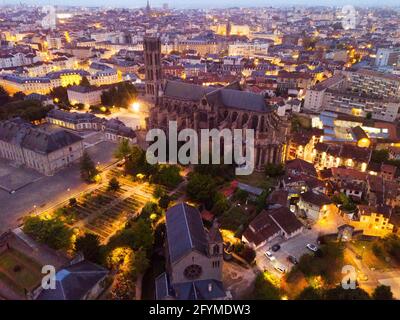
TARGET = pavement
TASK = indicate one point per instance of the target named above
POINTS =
(238, 280)
(13, 178)
(295, 246)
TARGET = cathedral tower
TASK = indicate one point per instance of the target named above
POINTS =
(152, 62)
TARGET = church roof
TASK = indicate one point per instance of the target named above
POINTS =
(186, 91)
(229, 96)
(75, 281)
(185, 231)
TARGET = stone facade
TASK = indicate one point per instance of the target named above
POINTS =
(44, 151)
(198, 107)
(152, 61)
(193, 257)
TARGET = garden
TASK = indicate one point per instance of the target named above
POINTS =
(18, 271)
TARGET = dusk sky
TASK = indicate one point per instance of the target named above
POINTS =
(207, 3)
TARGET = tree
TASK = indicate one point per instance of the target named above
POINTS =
(136, 163)
(72, 202)
(88, 168)
(4, 96)
(60, 95)
(221, 204)
(89, 245)
(326, 264)
(264, 289)
(144, 234)
(122, 95)
(274, 170)
(123, 150)
(380, 156)
(224, 172)
(168, 175)
(346, 202)
(382, 292)
(113, 184)
(52, 232)
(310, 293)
(164, 201)
(392, 246)
(149, 208)
(19, 95)
(138, 235)
(85, 82)
(30, 110)
(338, 293)
(240, 195)
(158, 192)
(139, 264)
(201, 188)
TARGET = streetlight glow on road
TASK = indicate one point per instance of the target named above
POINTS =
(135, 107)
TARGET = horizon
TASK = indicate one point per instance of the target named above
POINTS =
(206, 4)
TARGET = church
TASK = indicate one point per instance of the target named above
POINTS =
(194, 258)
(200, 107)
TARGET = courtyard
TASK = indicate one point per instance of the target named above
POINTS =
(45, 192)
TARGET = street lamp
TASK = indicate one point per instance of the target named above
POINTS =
(135, 107)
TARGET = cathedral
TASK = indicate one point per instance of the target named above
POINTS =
(201, 107)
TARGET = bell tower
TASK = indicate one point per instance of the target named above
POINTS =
(152, 63)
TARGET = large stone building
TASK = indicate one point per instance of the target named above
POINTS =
(194, 258)
(199, 107)
(112, 129)
(358, 93)
(46, 151)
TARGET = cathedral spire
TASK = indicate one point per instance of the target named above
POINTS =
(148, 9)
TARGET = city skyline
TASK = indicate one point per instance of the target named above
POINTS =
(160, 153)
(208, 4)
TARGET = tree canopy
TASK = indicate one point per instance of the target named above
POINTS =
(52, 232)
(201, 188)
(30, 110)
(89, 245)
(122, 95)
(87, 168)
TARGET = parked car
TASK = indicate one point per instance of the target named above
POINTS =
(280, 268)
(312, 247)
(269, 255)
(275, 247)
(292, 259)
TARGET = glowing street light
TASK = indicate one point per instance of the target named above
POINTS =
(135, 107)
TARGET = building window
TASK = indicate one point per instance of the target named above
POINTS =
(193, 272)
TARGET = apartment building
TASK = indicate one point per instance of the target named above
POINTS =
(360, 93)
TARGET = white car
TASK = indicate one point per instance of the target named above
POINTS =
(280, 268)
(312, 247)
(269, 255)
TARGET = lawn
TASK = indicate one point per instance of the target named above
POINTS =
(18, 271)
